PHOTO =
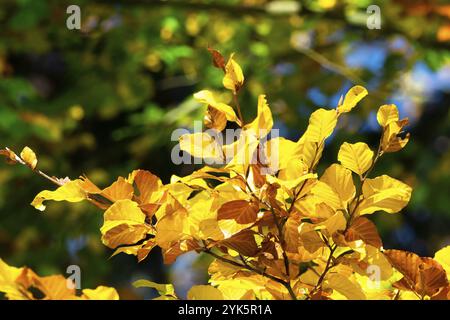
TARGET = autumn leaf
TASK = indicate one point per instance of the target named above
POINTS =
(218, 59)
(384, 193)
(339, 179)
(71, 191)
(443, 257)
(357, 157)
(207, 97)
(163, 289)
(240, 210)
(124, 223)
(352, 97)
(11, 157)
(24, 284)
(204, 292)
(29, 157)
(387, 114)
(392, 139)
(365, 230)
(345, 286)
(100, 293)
(202, 145)
(321, 125)
(234, 78)
(215, 119)
(422, 275)
(263, 122)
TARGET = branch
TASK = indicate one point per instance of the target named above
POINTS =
(324, 273)
(245, 265)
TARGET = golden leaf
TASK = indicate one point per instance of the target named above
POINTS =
(204, 292)
(357, 157)
(29, 157)
(234, 78)
(340, 181)
(71, 191)
(202, 145)
(124, 223)
(386, 114)
(384, 193)
(321, 125)
(100, 293)
(263, 122)
(352, 97)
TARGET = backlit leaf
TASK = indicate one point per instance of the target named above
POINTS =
(357, 157)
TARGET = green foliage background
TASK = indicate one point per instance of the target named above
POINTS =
(104, 100)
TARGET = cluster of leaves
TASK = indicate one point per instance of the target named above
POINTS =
(119, 86)
(25, 284)
(276, 230)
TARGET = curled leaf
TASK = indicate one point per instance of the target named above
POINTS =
(29, 157)
(234, 78)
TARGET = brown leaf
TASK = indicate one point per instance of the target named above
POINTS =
(11, 157)
(240, 210)
(423, 275)
(218, 59)
(242, 242)
(258, 179)
(179, 248)
(291, 234)
(365, 230)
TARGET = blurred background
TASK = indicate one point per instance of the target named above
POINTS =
(104, 100)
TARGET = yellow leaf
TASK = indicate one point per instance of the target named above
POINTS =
(384, 193)
(321, 125)
(234, 78)
(215, 119)
(345, 286)
(204, 292)
(54, 287)
(336, 222)
(352, 97)
(8, 285)
(443, 257)
(324, 193)
(263, 122)
(29, 157)
(124, 223)
(357, 157)
(206, 96)
(241, 153)
(172, 228)
(341, 182)
(391, 140)
(202, 145)
(163, 289)
(100, 293)
(119, 190)
(386, 114)
(71, 191)
(24, 284)
(310, 152)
